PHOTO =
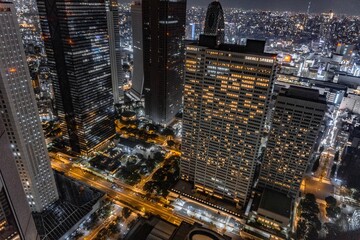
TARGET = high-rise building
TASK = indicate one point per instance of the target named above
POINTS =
(214, 22)
(163, 23)
(193, 31)
(295, 126)
(326, 27)
(226, 98)
(16, 221)
(77, 46)
(138, 53)
(19, 113)
(117, 75)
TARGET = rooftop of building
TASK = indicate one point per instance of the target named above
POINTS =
(186, 189)
(76, 200)
(159, 229)
(128, 114)
(152, 228)
(276, 202)
(256, 47)
(215, 3)
(302, 93)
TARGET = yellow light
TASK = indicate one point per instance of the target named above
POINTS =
(12, 70)
(287, 58)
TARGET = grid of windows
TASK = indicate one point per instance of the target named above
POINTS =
(226, 99)
(76, 40)
(19, 113)
(295, 126)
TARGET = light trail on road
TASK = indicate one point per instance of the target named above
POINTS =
(125, 197)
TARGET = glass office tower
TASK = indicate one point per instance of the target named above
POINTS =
(77, 46)
(163, 32)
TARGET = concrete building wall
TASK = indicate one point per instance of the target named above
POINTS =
(19, 112)
(226, 101)
(295, 126)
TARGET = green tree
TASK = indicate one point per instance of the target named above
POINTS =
(332, 231)
(330, 201)
(114, 228)
(356, 195)
(333, 212)
(159, 175)
(311, 233)
(158, 157)
(308, 204)
(168, 132)
(170, 143)
(126, 212)
(106, 210)
(301, 229)
(309, 224)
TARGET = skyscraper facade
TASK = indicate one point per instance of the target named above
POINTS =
(214, 22)
(16, 220)
(295, 126)
(163, 31)
(77, 46)
(226, 98)
(20, 116)
(117, 75)
(138, 53)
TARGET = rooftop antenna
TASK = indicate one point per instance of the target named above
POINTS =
(308, 9)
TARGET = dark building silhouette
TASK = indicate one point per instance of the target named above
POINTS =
(117, 74)
(77, 46)
(214, 22)
(163, 32)
(138, 58)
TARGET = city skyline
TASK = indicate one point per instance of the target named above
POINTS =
(179, 119)
(350, 7)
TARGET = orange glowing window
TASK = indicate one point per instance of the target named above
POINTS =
(12, 70)
(287, 58)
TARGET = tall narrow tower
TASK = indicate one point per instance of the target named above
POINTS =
(163, 34)
(117, 75)
(214, 22)
(77, 46)
(138, 50)
(19, 113)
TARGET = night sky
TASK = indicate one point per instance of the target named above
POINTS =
(338, 6)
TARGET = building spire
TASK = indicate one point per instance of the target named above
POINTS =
(214, 22)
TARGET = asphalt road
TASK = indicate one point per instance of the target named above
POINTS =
(124, 195)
